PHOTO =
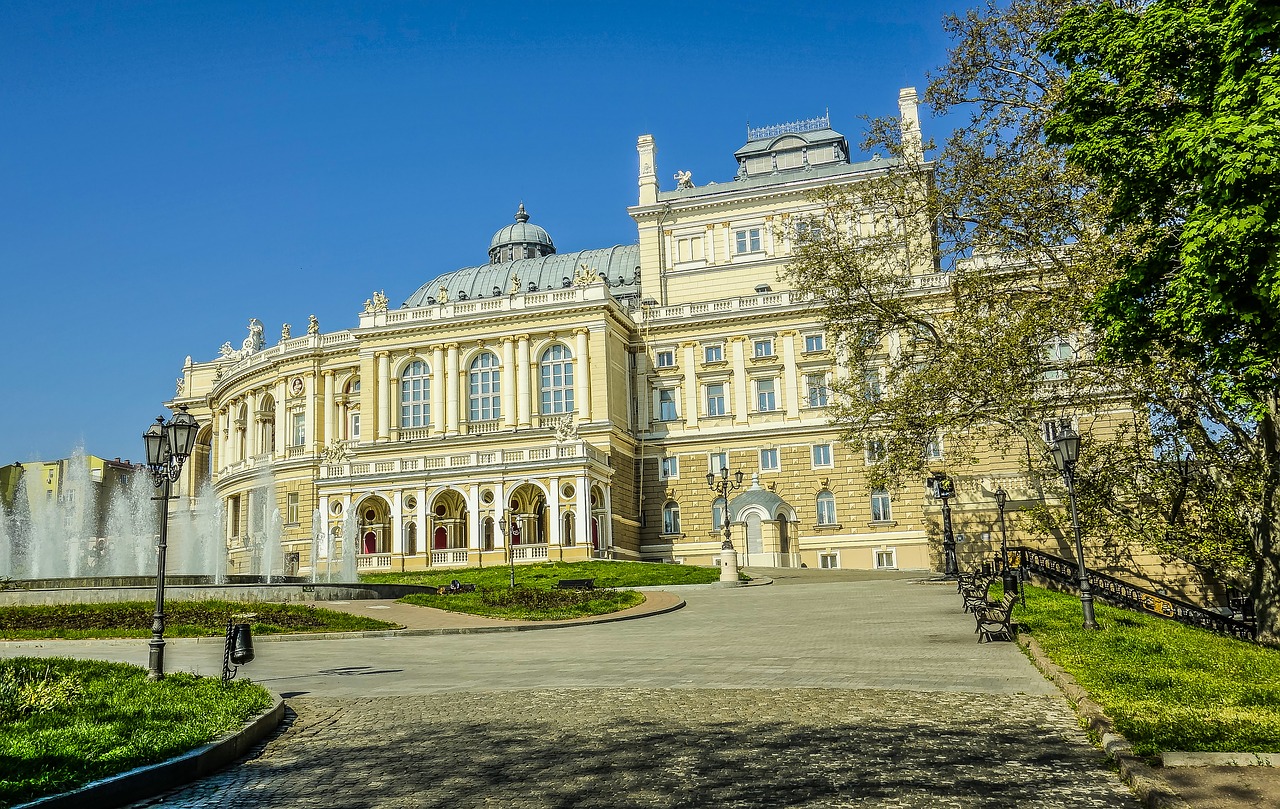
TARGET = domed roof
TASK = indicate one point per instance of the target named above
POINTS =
(521, 233)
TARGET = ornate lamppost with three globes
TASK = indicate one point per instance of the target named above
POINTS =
(168, 445)
(722, 484)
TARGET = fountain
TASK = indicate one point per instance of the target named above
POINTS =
(349, 541)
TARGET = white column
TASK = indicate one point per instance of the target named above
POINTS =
(789, 382)
(738, 347)
(522, 381)
(251, 426)
(438, 385)
(223, 436)
(279, 431)
(582, 516)
(383, 386)
(397, 523)
(581, 376)
(451, 390)
(508, 383)
(309, 420)
(330, 407)
(606, 525)
(474, 525)
(393, 406)
(690, 387)
(554, 536)
(499, 514)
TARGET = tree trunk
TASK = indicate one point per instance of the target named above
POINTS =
(1266, 575)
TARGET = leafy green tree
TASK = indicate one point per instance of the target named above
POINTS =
(1174, 107)
(959, 292)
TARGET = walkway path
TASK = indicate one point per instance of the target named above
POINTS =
(836, 693)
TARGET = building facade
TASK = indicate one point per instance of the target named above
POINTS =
(550, 405)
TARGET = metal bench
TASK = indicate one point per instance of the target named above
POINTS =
(576, 584)
(994, 620)
(455, 586)
(975, 594)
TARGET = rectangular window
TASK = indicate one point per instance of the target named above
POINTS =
(718, 461)
(768, 460)
(871, 387)
(291, 508)
(355, 427)
(747, 240)
(881, 509)
(814, 342)
(816, 384)
(670, 467)
(887, 559)
(667, 405)
(874, 450)
(766, 398)
(1057, 355)
(821, 455)
(299, 434)
(763, 347)
(713, 353)
(829, 561)
(826, 509)
(671, 519)
(666, 359)
(933, 449)
(715, 399)
(1050, 430)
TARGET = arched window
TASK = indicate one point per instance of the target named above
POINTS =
(717, 514)
(411, 539)
(568, 529)
(557, 380)
(826, 508)
(671, 518)
(415, 395)
(486, 388)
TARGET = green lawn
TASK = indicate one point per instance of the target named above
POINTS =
(64, 722)
(545, 576)
(183, 619)
(1167, 686)
(530, 603)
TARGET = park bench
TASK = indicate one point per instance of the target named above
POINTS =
(456, 586)
(994, 620)
(576, 584)
(975, 595)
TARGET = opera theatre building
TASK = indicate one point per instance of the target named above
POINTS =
(553, 402)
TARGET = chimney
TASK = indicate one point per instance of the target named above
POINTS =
(648, 169)
(912, 145)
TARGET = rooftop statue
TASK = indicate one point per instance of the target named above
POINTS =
(684, 179)
(313, 325)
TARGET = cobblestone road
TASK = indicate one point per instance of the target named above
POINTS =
(839, 693)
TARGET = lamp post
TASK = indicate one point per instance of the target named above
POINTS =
(722, 484)
(168, 445)
(943, 488)
(1007, 576)
(1066, 451)
(511, 531)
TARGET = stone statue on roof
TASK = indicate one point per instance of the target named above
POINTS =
(251, 344)
(443, 295)
(380, 301)
(515, 285)
(684, 179)
(285, 332)
(313, 325)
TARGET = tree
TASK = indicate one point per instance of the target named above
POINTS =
(1174, 107)
(1014, 233)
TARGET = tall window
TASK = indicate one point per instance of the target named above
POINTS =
(671, 518)
(933, 449)
(769, 460)
(713, 353)
(881, 510)
(1057, 355)
(717, 514)
(670, 467)
(718, 461)
(557, 380)
(715, 399)
(821, 455)
(291, 508)
(486, 388)
(817, 387)
(826, 508)
(874, 450)
(747, 240)
(666, 405)
(415, 395)
(766, 397)
(299, 434)
(354, 428)
(871, 387)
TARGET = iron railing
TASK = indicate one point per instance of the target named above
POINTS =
(1124, 594)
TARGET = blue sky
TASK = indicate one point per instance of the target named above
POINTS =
(169, 170)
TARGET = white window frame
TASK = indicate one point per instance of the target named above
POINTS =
(829, 560)
(822, 449)
(555, 376)
(484, 388)
(770, 454)
(673, 412)
(669, 467)
(809, 342)
(717, 348)
(873, 451)
(934, 448)
(891, 554)
(415, 395)
(881, 506)
(723, 405)
(757, 343)
(1056, 363)
(666, 358)
(825, 501)
(353, 425)
(671, 517)
(818, 387)
(771, 392)
(717, 461)
(297, 428)
(748, 240)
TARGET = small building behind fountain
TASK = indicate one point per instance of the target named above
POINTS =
(576, 395)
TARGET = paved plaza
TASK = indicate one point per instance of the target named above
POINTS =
(813, 692)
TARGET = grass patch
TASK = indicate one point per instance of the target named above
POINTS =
(183, 619)
(1166, 685)
(531, 604)
(545, 576)
(65, 722)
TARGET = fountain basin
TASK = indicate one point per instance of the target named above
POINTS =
(292, 591)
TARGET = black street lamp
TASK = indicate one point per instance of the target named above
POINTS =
(1066, 451)
(943, 488)
(722, 485)
(511, 530)
(168, 445)
(1008, 576)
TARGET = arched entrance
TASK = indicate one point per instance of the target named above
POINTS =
(528, 506)
(448, 520)
(373, 525)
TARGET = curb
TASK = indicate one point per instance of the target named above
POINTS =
(1152, 790)
(153, 779)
